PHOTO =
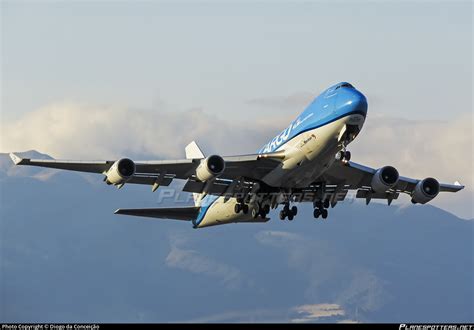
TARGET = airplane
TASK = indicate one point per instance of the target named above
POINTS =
(307, 162)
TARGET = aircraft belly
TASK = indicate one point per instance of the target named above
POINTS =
(222, 212)
(314, 160)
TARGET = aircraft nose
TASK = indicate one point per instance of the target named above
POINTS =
(351, 101)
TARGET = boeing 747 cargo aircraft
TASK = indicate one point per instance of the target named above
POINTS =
(307, 162)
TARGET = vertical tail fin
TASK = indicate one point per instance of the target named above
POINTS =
(193, 151)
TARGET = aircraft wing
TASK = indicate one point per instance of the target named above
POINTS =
(356, 176)
(146, 172)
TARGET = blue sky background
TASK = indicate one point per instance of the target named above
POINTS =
(412, 59)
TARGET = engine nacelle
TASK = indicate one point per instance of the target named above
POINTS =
(210, 168)
(120, 172)
(384, 179)
(425, 190)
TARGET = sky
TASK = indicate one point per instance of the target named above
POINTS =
(95, 80)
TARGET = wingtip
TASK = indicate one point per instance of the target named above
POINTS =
(117, 211)
(16, 159)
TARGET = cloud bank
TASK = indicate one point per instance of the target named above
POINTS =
(95, 132)
(195, 262)
(311, 313)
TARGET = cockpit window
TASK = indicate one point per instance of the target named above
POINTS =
(345, 85)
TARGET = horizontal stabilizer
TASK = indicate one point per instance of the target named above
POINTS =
(175, 213)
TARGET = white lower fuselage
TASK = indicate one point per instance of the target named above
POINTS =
(310, 154)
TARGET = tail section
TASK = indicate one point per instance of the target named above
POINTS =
(174, 213)
(193, 151)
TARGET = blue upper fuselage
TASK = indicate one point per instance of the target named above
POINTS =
(334, 103)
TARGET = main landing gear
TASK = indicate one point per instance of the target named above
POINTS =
(320, 209)
(261, 211)
(257, 210)
(288, 212)
(241, 207)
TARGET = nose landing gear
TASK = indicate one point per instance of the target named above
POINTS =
(343, 155)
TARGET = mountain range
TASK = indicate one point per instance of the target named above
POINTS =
(65, 257)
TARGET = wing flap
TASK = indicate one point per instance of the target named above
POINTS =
(174, 213)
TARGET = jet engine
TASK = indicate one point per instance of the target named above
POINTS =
(384, 179)
(210, 168)
(425, 190)
(120, 172)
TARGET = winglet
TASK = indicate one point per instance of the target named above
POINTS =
(457, 183)
(16, 159)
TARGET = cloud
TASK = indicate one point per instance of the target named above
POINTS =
(311, 313)
(298, 314)
(195, 262)
(277, 238)
(421, 148)
(295, 102)
(418, 149)
(81, 131)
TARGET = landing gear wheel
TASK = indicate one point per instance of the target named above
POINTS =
(347, 156)
(290, 216)
(316, 213)
(245, 208)
(237, 208)
(326, 204)
(254, 213)
(282, 215)
(294, 210)
(340, 155)
(324, 214)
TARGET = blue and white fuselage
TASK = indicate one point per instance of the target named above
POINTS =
(309, 145)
